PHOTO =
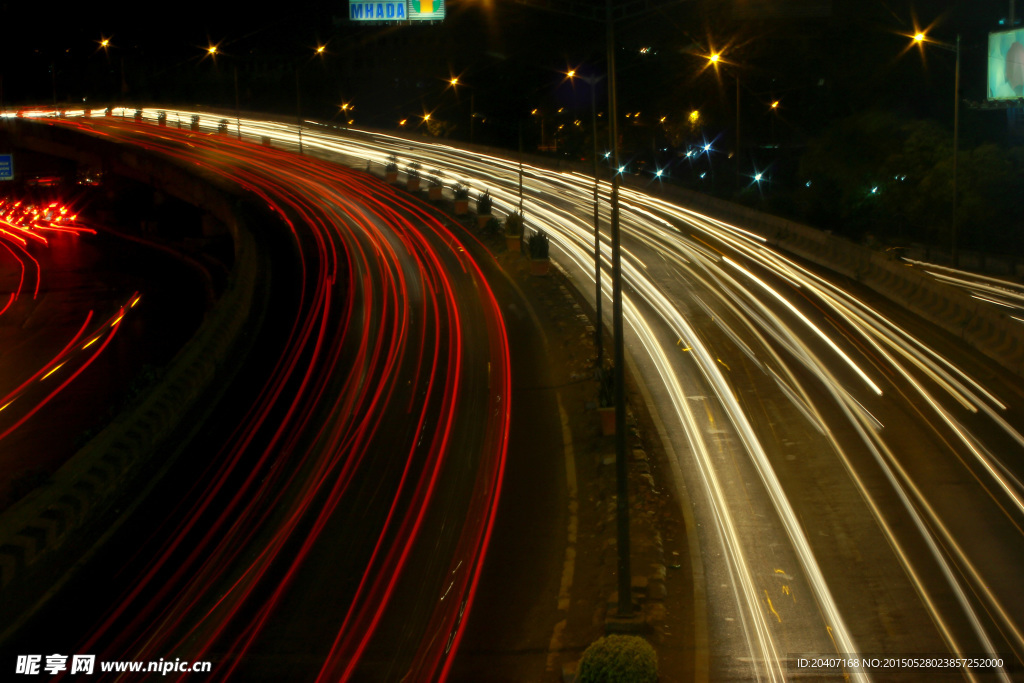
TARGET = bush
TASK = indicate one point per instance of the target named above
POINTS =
(483, 203)
(413, 170)
(514, 224)
(435, 177)
(392, 165)
(493, 226)
(538, 245)
(461, 191)
(619, 659)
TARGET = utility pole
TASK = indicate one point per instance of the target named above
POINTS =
(738, 147)
(625, 597)
(599, 328)
(298, 107)
(521, 170)
(956, 145)
(238, 109)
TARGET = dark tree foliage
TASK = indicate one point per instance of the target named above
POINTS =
(877, 176)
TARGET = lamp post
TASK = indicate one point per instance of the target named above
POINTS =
(319, 51)
(212, 50)
(454, 82)
(714, 59)
(598, 331)
(920, 38)
(625, 595)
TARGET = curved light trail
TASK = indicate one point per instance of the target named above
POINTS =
(381, 427)
(25, 227)
(875, 393)
(857, 476)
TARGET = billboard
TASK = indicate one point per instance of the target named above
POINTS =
(426, 10)
(377, 10)
(1006, 65)
(6, 167)
(383, 11)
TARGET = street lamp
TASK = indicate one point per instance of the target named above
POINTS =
(212, 50)
(318, 51)
(714, 59)
(454, 82)
(344, 108)
(598, 328)
(920, 38)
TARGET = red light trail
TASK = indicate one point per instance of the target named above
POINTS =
(23, 225)
(391, 391)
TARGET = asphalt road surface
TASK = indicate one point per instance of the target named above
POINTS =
(331, 517)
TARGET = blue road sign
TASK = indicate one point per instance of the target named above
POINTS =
(6, 167)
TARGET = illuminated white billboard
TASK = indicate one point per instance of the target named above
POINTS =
(1006, 65)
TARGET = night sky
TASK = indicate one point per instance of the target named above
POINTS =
(513, 56)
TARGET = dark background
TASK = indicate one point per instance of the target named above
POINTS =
(841, 71)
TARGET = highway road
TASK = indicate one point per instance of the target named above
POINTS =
(855, 473)
(331, 519)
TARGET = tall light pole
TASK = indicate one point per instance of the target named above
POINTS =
(714, 59)
(920, 38)
(455, 82)
(625, 597)
(598, 331)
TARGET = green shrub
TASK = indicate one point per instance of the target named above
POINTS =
(413, 170)
(493, 226)
(538, 245)
(619, 659)
(514, 224)
(435, 177)
(461, 191)
(392, 165)
(483, 203)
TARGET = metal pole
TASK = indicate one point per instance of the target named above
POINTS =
(238, 109)
(956, 144)
(521, 171)
(625, 598)
(737, 132)
(298, 107)
(599, 328)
